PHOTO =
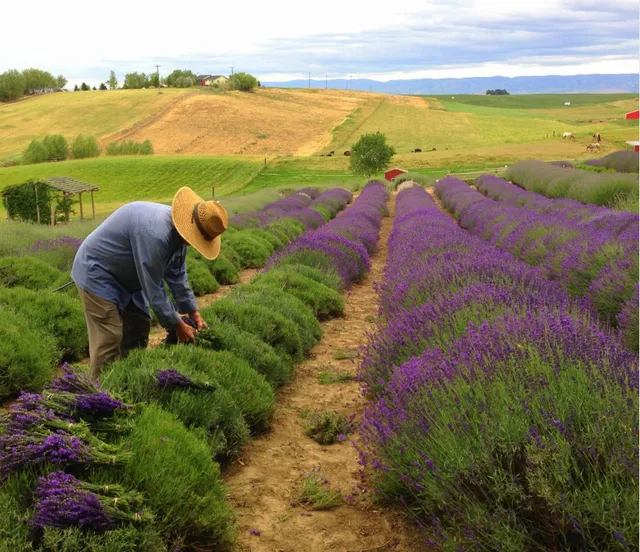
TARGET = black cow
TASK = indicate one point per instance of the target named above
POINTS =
(347, 153)
(417, 150)
(331, 152)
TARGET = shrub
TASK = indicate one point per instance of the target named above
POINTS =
(224, 336)
(242, 81)
(211, 409)
(327, 427)
(252, 252)
(621, 161)
(20, 201)
(421, 179)
(231, 254)
(27, 355)
(83, 147)
(200, 279)
(57, 147)
(222, 269)
(317, 493)
(130, 147)
(36, 152)
(27, 272)
(273, 328)
(324, 302)
(58, 314)
(248, 389)
(270, 241)
(331, 279)
(58, 252)
(173, 467)
(286, 304)
(14, 509)
(129, 538)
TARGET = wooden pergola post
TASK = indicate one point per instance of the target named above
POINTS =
(93, 205)
(81, 213)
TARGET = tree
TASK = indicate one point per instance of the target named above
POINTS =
(61, 82)
(11, 85)
(497, 92)
(181, 78)
(370, 154)
(37, 80)
(242, 81)
(113, 82)
(84, 86)
(75, 88)
(153, 80)
(135, 80)
(102, 86)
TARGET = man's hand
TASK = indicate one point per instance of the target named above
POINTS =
(197, 318)
(185, 333)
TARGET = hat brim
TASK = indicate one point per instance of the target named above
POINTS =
(181, 214)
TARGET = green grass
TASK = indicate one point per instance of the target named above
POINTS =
(317, 494)
(327, 427)
(327, 377)
(534, 101)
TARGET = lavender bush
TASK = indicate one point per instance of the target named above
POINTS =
(503, 416)
(592, 254)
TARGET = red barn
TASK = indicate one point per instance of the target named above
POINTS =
(392, 173)
(636, 145)
(632, 115)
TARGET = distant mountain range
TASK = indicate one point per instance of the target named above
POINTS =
(549, 84)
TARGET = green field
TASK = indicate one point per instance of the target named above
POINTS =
(124, 179)
(535, 101)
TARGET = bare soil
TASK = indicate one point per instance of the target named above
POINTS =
(265, 483)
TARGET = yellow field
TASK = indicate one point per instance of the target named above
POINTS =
(71, 113)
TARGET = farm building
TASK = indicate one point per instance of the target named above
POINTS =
(211, 80)
(635, 144)
(392, 173)
(632, 114)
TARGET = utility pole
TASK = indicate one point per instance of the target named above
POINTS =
(231, 69)
(309, 80)
(158, 73)
(325, 82)
(350, 83)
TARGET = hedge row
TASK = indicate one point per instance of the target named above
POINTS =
(585, 186)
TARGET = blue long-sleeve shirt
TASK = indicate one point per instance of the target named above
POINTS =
(128, 258)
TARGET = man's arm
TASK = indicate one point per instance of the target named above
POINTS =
(176, 277)
(149, 259)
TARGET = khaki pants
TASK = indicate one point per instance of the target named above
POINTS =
(111, 334)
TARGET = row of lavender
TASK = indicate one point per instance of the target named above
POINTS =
(592, 252)
(81, 470)
(503, 417)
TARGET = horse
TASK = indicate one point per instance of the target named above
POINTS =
(569, 135)
(596, 137)
(592, 146)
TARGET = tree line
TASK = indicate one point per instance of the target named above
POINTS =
(15, 84)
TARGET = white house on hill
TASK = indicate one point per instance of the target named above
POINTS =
(211, 80)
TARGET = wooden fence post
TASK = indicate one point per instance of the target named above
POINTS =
(93, 205)
(35, 187)
(81, 213)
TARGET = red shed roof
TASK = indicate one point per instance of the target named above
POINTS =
(632, 115)
(392, 173)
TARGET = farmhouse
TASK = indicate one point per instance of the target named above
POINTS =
(632, 114)
(211, 80)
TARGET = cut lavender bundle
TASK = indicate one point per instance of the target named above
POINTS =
(171, 379)
(64, 501)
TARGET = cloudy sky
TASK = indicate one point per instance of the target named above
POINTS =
(279, 40)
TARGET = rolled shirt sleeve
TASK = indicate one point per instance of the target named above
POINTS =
(176, 277)
(149, 257)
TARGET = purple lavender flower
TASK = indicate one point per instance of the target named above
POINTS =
(255, 532)
(63, 503)
(167, 379)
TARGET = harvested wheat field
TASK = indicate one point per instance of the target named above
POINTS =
(269, 121)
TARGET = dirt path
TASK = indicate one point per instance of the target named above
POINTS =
(265, 483)
(158, 333)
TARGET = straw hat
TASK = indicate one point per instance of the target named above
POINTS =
(199, 222)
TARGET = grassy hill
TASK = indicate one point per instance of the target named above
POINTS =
(223, 139)
(99, 113)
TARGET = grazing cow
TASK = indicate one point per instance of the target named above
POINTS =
(347, 153)
(331, 152)
(569, 135)
(434, 149)
(322, 155)
(417, 150)
(593, 146)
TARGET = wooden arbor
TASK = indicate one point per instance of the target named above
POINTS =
(70, 186)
